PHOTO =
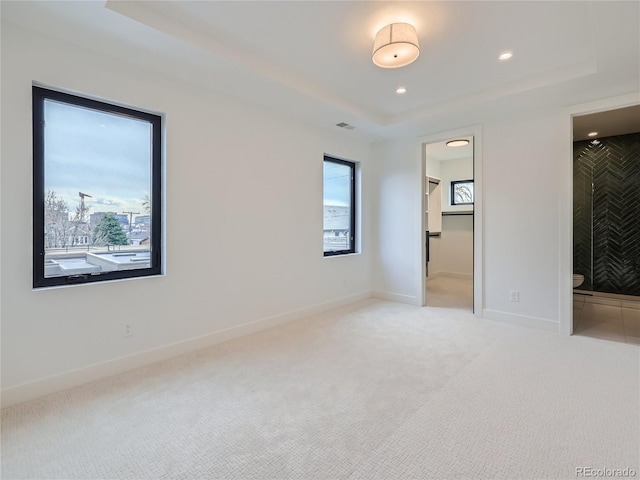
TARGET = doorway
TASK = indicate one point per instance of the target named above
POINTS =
(606, 224)
(448, 206)
(566, 173)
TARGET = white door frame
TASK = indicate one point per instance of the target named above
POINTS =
(566, 202)
(474, 131)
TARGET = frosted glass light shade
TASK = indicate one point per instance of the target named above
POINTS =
(458, 143)
(396, 45)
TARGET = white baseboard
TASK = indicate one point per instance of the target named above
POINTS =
(46, 386)
(468, 276)
(531, 322)
(399, 298)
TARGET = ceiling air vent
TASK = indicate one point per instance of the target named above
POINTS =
(346, 126)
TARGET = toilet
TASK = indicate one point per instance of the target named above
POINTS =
(577, 280)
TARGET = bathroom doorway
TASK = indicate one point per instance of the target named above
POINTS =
(448, 206)
(606, 224)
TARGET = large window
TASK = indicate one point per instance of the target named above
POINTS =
(96, 190)
(339, 206)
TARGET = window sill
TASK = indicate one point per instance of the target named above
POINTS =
(343, 255)
(101, 282)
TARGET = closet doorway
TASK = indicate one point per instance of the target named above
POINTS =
(448, 206)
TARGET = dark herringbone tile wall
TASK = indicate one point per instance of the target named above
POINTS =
(606, 213)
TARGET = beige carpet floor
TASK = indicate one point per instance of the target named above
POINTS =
(376, 390)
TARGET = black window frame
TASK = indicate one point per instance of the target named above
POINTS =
(453, 194)
(39, 95)
(352, 219)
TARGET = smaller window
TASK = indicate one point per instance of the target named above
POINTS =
(462, 192)
(339, 207)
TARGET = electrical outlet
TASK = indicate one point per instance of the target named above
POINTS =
(514, 296)
(127, 329)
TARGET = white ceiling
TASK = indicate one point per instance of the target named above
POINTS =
(613, 122)
(312, 59)
(439, 151)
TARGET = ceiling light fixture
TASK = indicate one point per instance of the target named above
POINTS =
(396, 45)
(457, 143)
(401, 90)
(505, 56)
(592, 134)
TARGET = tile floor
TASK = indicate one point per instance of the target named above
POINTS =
(606, 318)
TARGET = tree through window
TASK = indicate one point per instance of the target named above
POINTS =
(96, 190)
(462, 192)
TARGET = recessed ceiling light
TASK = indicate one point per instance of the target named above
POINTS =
(401, 90)
(592, 134)
(457, 143)
(505, 56)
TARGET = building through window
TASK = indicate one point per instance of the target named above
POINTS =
(339, 206)
(96, 190)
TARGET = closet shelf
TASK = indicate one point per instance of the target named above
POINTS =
(461, 212)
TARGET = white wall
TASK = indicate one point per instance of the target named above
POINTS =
(521, 212)
(397, 194)
(243, 219)
(452, 251)
(522, 158)
(450, 170)
(432, 168)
